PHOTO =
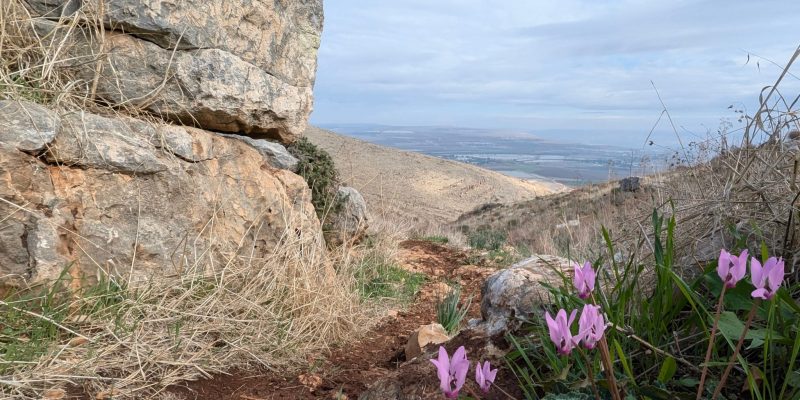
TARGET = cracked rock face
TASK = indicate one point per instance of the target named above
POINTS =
(95, 195)
(242, 66)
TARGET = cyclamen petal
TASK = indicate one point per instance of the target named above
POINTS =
(560, 332)
(766, 279)
(776, 275)
(484, 376)
(451, 370)
(443, 370)
(592, 326)
(584, 279)
(731, 268)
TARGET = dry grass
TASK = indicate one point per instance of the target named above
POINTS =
(132, 339)
(58, 61)
(136, 339)
(36, 57)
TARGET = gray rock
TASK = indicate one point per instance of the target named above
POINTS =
(246, 66)
(514, 295)
(276, 153)
(27, 126)
(211, 88)
(350, 224)
(54, 8)
(279, 37)
(89, 140)
(189, 144)
(120, 196)
(630, 184)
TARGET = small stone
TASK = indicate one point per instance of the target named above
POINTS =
(630, 184)
(54, 394)
(425, 335)
(351, 223)
(310, 381)
(435, 291)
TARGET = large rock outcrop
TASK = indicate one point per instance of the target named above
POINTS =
(242, 66)
(93, 195)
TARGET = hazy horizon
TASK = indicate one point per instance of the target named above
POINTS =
(578, 71)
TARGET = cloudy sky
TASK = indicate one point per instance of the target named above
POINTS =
(577, 70)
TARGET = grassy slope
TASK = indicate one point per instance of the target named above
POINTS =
(409, 186)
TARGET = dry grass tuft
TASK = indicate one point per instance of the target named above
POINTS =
(133, 340)
(58, 60)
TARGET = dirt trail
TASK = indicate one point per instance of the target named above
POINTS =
(346, 372)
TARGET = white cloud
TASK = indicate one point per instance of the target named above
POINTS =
(536, 65)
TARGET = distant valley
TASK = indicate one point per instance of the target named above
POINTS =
(513, 153)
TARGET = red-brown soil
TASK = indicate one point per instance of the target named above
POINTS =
(346, 372)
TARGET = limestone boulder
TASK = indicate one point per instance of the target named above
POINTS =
(350, 223)
(515, 294)
(242, 66)
(120, 196)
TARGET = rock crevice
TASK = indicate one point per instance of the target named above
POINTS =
(110, 196)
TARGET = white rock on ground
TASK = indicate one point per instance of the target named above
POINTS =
(515, 294)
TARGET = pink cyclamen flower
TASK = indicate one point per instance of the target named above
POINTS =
(584, 279)
(591, 326)
(731, 268)
(451, 370)
(768, 279)
(560, 332)
(485, 376)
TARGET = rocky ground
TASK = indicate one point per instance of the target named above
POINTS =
(375, 366)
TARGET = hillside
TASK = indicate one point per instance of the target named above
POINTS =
(410, 186)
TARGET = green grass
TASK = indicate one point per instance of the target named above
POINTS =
(670, 318)
(379, 277)
(33, 322)
(438, 239)
(317, 168)
(448, 312)
(484, 238)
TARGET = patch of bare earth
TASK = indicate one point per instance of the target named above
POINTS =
(348, 371)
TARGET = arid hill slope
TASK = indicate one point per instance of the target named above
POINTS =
(410, 186)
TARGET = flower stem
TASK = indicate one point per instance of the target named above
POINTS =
(605, 357)
(608, 366)
(711, 344)
(591, 374)
(728, 369)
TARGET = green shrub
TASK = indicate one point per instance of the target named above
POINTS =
(317, 168)
(484, 238)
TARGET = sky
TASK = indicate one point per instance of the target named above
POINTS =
(586, 71)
